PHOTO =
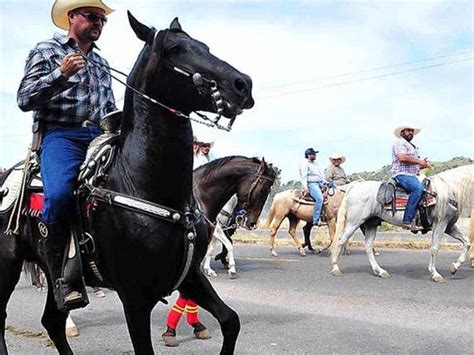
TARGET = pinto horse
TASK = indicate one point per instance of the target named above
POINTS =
(142, 256)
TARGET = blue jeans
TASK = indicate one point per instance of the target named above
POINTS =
(62, 152)
(415, 190)
(317, 195)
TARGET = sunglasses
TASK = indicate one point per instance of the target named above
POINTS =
(92, 17)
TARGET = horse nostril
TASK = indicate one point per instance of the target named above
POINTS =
(241, 85)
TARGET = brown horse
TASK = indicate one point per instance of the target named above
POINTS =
(288, 204)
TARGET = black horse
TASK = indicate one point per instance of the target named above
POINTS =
(142, 255)
(214, 183)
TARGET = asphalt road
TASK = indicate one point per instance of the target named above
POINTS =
(292, 305)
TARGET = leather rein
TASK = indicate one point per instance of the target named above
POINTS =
(201, 83)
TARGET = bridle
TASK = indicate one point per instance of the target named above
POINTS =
(201, 83)
(241, 215)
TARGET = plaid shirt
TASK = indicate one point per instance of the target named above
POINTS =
(401, 145)
(86, 95)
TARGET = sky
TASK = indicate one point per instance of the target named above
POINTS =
(338, 76)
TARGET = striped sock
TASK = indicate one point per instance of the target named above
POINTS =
(192, 312)
(175, 314)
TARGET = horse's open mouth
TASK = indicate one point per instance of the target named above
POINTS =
(231, 110)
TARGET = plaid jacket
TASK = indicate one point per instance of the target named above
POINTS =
(86, 95)
(401, 145)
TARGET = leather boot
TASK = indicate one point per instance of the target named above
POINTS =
(69, 292)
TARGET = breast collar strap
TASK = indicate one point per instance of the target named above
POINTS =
(187, 219)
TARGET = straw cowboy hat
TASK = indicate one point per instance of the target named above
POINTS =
(399, 130)
(62, 7)
(337, 156)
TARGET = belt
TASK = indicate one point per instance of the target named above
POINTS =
(83, 124)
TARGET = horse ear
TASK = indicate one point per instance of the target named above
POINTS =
(142, 31)
(262, 165)
(175, 25)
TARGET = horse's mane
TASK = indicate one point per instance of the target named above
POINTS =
(461, 181)
(208, 169)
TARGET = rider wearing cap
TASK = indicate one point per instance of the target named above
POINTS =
(335, 172)
(312, 180)
(68, 97)
(406, 165)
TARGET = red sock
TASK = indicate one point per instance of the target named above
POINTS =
(192, 312)
(175, 314)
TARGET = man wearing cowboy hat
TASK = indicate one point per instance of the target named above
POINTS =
(204, 155)
(68, 87)
(312, 179)
(335, 172)
(406, 164)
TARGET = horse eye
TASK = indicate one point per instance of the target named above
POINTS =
(178, 49)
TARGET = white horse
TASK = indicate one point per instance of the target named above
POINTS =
(360, 208)
(461, 180)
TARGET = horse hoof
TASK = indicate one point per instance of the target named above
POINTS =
(202, 334)
(336, 272)
(376, 253)
(72, 332)
(232, 275)
(315, 251)
(170, 340)
(274, 253)
(453, 269)
(99, 294)
(210, 273)
(439, 279)
(385, 275)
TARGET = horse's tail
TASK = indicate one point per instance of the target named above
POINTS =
(341, 220)
(32, 269)
(271, 215)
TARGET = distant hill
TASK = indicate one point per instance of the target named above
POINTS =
(384, 172)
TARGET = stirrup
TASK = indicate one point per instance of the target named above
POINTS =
(68, 298)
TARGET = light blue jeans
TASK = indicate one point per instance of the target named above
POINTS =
(317, 195)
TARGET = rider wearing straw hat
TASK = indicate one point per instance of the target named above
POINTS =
(335, 172)
(204, 155)
(406, 164)
(67, 98)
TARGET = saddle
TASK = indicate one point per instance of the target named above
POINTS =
(308, 200)
(21, 193)
(394, 198)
